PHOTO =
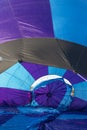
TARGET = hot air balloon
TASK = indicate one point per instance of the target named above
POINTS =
(43, 80)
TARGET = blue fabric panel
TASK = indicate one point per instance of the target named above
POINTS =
(81, 90)
(56, 71)
(27, 118)
(16, 77)
(31, 118)
(66, 100)
(72, 116)
(70, 20)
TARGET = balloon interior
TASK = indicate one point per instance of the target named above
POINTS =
(43, 70)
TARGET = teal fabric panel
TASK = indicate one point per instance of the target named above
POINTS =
(16, 77)
(81, 90)
(56, 71)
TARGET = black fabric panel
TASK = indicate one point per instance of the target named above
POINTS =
(38, 50)
(45, 51)
(10, 53)
(76, 55)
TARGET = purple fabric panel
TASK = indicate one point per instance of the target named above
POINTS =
(77, 124)
(51, 95)
(8, 24)
(78, 104)
(72, 77)
(14, 97)
(25, 18)
(33, 17)
(36, 70)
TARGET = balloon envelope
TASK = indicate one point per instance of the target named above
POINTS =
(44, 32)
(47, 33)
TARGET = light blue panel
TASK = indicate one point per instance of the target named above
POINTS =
(12, 68)
(81, 90)
(70, 20)
(4, 78)
(56, 71)
(16, 77)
